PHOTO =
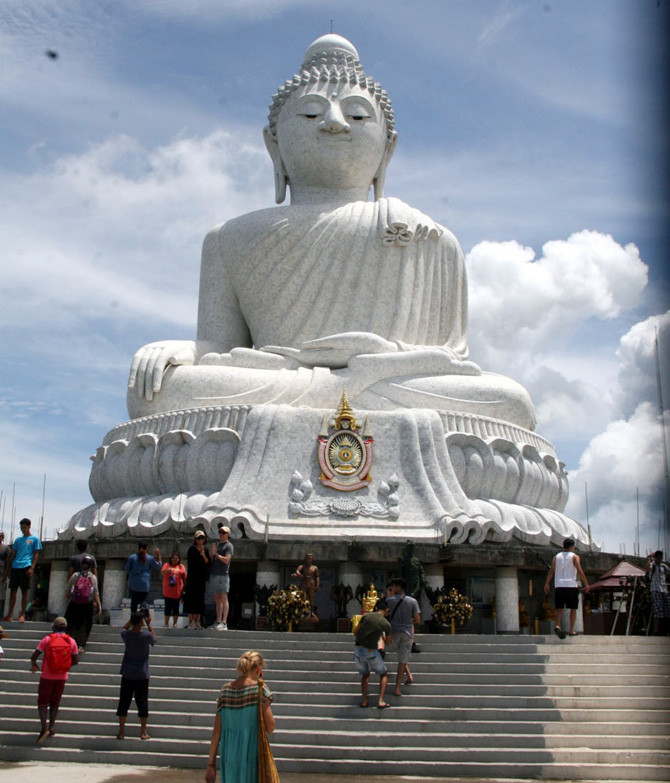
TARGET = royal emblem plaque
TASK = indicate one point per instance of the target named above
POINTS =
(345, 456)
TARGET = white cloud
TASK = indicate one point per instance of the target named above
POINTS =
(115, 232)
(624, 459)
(637, 354)
(521, 304)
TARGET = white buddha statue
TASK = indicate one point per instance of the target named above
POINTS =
(297, 302)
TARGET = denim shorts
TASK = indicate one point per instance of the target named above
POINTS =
(220, 583)
(369, 660)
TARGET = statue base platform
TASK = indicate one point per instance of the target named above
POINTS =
(436, 477)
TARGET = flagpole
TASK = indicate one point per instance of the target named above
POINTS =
(44, 489)
(666, 504)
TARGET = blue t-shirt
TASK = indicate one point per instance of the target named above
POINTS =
(24, 548)
(135, 664)
(402, 618)
(139, 573)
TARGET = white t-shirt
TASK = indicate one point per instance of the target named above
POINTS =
(566, 571)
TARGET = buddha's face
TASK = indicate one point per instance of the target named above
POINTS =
(331, 135)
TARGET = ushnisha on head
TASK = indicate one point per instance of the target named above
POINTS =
(333, 95)
(249, 662)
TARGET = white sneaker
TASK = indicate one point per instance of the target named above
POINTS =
(221, 627)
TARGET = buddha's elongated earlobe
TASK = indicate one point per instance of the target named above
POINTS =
(281, 177)
(380, 177)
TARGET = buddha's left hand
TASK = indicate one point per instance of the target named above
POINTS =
(336, 350)
(262, 359)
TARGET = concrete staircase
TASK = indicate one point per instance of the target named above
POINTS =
(588, 708)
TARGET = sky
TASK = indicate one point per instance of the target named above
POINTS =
(536, 132)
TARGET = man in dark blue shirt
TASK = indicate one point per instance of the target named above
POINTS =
(135, 670)
(139, 568)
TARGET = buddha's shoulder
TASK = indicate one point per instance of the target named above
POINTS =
(257, 220)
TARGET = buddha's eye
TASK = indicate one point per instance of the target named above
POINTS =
(310, 116)
(358, 117)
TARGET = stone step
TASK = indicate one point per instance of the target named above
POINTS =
(493, 706)
(456, 736)
(181, 663)
(531, 770)
(164, 710)
(84, 695)
(305, 678)
(332, 692)
(397, 750)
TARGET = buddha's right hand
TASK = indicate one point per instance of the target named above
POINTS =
(151, 361)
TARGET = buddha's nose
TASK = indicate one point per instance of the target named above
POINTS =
(334, 121)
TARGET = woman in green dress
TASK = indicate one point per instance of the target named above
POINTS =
(235, 731)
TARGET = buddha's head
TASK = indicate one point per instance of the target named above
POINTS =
(330, 126)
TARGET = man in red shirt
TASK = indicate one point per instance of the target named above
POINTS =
(60, 653)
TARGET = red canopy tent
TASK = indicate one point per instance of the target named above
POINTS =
(617, 578)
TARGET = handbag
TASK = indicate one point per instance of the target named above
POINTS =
(267, 770)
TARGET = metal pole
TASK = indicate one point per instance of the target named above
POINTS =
(630, 607)
(663, 439)
(588, 524)
(13, 510)
(44, 489)
(637, 523)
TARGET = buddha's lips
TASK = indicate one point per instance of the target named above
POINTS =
(333, 137)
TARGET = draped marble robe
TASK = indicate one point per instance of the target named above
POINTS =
(286, 275)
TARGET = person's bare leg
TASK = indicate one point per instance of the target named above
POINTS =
(399, 676)
(219, 608)
(365, 682)
(225, 608)
(53, 712)
(12, 603)
(24, 604)
(143, 729)
(408, 675)
(573, 618)
(383, 682)
(558, 618)
(122, 727)
(43, 710)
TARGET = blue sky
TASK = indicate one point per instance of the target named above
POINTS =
(536, 132)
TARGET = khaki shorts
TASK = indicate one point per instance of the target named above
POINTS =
(402, 645)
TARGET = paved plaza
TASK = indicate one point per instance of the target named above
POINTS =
(29, 772)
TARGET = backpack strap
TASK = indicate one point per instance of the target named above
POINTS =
(395, 608)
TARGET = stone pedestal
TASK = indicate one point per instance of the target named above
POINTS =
(114, 584)
(57, 602)
(507, 600)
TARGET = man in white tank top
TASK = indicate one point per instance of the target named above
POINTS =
(565, 568)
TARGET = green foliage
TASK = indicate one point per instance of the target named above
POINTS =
(287, 606)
